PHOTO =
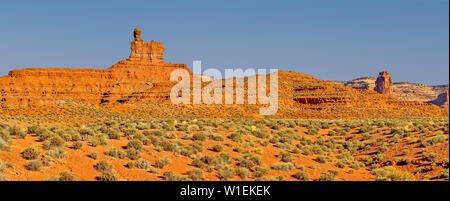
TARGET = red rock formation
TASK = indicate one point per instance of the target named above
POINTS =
(383, 85)
(142, 76)
(441, 100)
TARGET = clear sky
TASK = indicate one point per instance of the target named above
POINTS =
(329, 39)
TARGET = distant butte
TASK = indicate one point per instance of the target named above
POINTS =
(143, 74)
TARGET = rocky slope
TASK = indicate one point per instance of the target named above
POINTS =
(404, 90)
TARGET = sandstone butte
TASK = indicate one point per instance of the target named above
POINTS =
(383, 84)
(140, 85)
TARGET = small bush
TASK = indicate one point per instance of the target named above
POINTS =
(301, 175)
(162, 162)
(195, 174)
(142, 164)
(58, 153)
(34, 165)
(107, 176)
(66, 176)
(103, 165)
(217, 148)
(93, 155)
(242, 172)
(135, 144)
(225, 174)
(30, 153)
(77, 145)
(283, 166)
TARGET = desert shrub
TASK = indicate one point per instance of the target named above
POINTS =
(4, 165)
(5, 140)
(162, 162)
(135, 144)
(242, 172)
(320, 159)
(93, 155)
(444, 174)
(17, 131)
(249, 161)
(116, 153)
(107, 175)
(326, 177)
(431, 157)
(31, 153)
(133, 154)
(103, 165)
(285, 156)
(217, 148)
(56, 141)
(283, 166)
(34, 165)
(98, 140)
(389, 173)
(236, 137)
(199, 136)
(195, 174)
(225, 174)
(142, 164)
(171, 176)
(77, 145)
(66, 176)
(301, 175)
(218, 138)
(57, 153)
(260, 171)
(112, 134)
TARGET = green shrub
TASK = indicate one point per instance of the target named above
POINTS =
(162, 162)
(225, 174)
(77, 145)
(103, 165)
(171, 176)
(34, 165)
(195, 174)
(200, 136)
(283, 166)
(242, 172)
(217, 148)
(66, 176)
(135, 144)
(57, 153)
(133, 154)
(142, 164)
(93, 155)
(17, 131)
(107, 175)
(301, 175)
(30, 153)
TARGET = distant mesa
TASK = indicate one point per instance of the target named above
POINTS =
(383, 84)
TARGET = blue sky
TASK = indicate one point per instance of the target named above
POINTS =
(331, 40)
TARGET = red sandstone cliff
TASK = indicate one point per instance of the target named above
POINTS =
(143, 76)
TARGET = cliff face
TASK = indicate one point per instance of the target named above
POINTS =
(383, 84)
(142, 76)
(441, 100)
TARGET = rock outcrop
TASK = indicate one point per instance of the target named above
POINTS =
(383, 85)
(441, 100)
(143, 76)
